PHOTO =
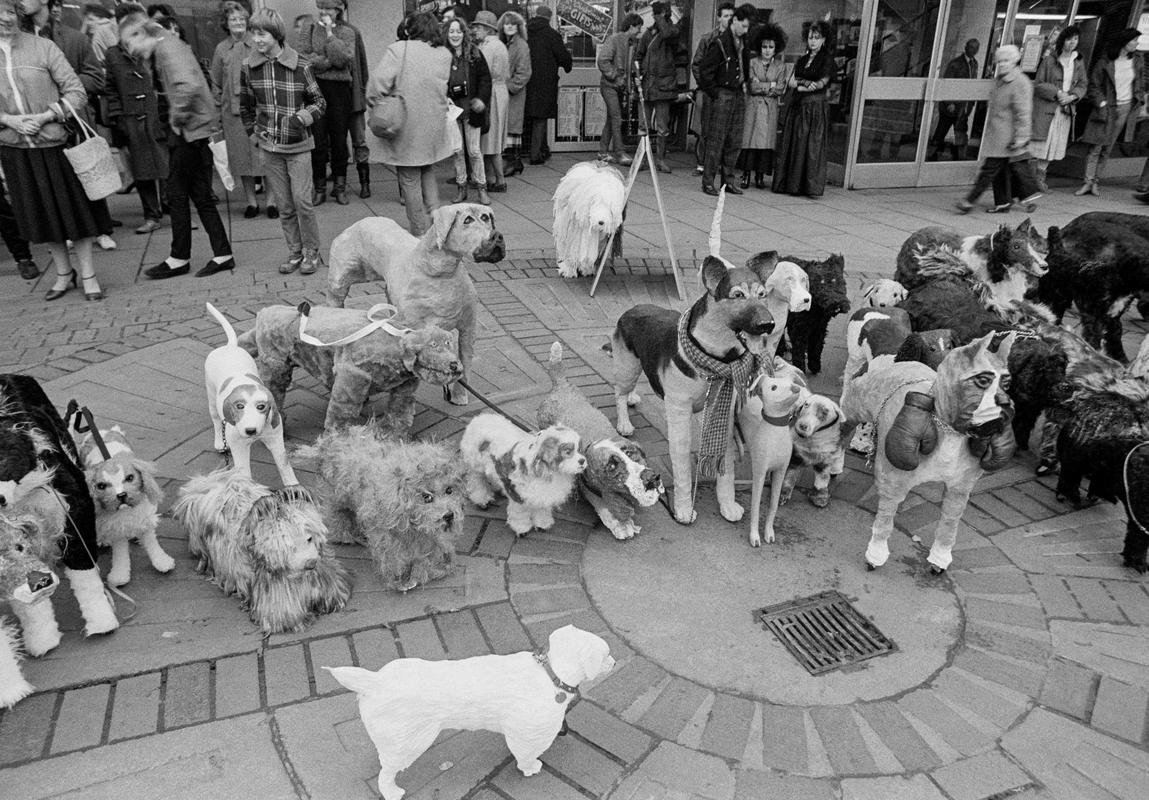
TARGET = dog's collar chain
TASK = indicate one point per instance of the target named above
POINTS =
(543, 661)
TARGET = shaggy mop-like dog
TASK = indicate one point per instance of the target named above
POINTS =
(535, 471)
(1008, 261)
(950, 426)
(268, 547)
(127, 498)
(589, 206)
(40, 474)
(407, 703)
(425, 277)
(390, 358)
(806, 330)
(402, 499)
(1099, 263)
(616, 480)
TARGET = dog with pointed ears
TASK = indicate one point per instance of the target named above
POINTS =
(721, 339)
(126, 495)
(425, 277)
(242, 409)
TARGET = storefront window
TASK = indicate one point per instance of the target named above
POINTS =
(1035, 30)
(890, 131)
(903, 39)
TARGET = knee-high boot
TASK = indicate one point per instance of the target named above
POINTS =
(364, 170)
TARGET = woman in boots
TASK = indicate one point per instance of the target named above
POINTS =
(767, 82)
(470, 89)
(513, 33)
(1057, 87)
(1115, 91)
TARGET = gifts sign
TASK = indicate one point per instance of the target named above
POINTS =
(585, 17)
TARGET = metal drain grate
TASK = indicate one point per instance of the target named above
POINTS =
(824, 632)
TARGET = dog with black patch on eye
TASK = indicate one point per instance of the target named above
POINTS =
(241, 407)
(536, 471)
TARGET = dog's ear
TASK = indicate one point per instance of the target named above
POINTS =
(1005, 345)
(412, 342)
(870, 291)
(230, 415)
(147, 473)
(443, 219)
(713, 273)
(763, 264)
(273, 417)
(546, 455)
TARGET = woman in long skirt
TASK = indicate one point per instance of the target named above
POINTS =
(801, 163)
(767, 81)
(48, 200)
(486, 28)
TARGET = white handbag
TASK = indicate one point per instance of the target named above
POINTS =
(219, 158)
(92, 161)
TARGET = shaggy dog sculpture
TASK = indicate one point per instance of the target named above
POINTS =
(806, 330)
(267, 547)
(589, 205)
(404, 500)
(524, 696)
(40, 475)
(616, 479)
(945, 296)
(379, 355)
(1100, 264)
(126, 494)
(1007, 261)
(426, 278)
(949, 426)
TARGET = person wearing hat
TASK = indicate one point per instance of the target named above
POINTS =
(486, 30)
(1115, 91)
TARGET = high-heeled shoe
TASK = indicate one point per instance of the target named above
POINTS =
(56, 294)
(96, 295)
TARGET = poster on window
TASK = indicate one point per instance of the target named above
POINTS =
(594, 113)
(569, 121)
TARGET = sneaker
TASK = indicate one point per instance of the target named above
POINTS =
(149, 226)
(963, 206)
(106, 242)
(164, 270)
(624, 160)
(311, 262)
(213, 267)
(292, 264)
(699, 170)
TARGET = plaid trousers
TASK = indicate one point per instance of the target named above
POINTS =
(723, 133)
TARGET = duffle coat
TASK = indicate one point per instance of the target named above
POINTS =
(137, 110)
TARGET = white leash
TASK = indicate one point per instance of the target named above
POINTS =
(378, 318)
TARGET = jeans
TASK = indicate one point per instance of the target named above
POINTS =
(331, 131)
(17, 245)
(611, 139)
(1099, 153)
(422, 196)
(538, 137)
(290, 177)
(149, 192)
(358, 129)
(472, 149)
(660, 117)
(1020, 172)
(189, 179)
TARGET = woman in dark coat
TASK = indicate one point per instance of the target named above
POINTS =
(801, 157)
(138, 113)
(1057, 87)
(548, 54)
(469, 88)
(1115, 91)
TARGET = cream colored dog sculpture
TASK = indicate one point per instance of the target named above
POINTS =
(524, 696)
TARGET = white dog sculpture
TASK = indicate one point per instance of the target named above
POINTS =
(524, 696)
(589, 207)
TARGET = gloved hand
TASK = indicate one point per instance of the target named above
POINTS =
(994, 452)
(913, 433)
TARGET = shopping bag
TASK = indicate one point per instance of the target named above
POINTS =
(219, 158)
(92, 161)
(454, 134)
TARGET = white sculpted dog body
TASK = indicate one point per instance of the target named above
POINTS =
(588, 207)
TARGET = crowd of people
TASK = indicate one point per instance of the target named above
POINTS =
(474, 89)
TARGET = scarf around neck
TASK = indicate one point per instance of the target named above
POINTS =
(726, 380)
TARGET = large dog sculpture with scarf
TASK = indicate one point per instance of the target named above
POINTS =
(704, 357)
(949, 426)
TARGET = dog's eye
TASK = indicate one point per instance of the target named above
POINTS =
(19, 548)
(261, 407)
(737, 293)
(449, 490)
(428, 497)
(101, 486)
(982, 381)
(130, 479)
(239, 404)
(468, 220)
(759, 292)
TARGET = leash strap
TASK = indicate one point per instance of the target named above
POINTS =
(493, 406)
(379, 317)
(85, 423)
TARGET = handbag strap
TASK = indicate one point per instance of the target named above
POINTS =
(88, 131)
(402, 66)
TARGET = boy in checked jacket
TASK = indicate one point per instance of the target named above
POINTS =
(279, 102)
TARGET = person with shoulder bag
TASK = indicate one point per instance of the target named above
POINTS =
(469, 88)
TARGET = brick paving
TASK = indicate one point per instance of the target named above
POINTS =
(1044, 692)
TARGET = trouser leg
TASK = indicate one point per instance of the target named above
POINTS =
(275, 170)
(199, 192)
(149, 191)
(410, 182)
(338, 117)
(300, 191)
(538, 138)
(180, 166)
(985, 177)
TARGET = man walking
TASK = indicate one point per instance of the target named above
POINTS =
(725, 14)
(614, 62)
(193, 117)
(723, 79)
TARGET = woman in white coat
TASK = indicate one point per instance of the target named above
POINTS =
(418, 70)
(766, 83)
(486, 30)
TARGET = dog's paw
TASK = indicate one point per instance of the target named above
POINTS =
(37, 643)
(455, 394)
(625, 427)
(755, 539)
(784, 497)
(732, 512)
(770, 535)
(164, 563)
(820, 498)
(685, 513)
(119, 577)
(937, 570)
(531, 768)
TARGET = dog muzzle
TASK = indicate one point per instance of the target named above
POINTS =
(490, 251)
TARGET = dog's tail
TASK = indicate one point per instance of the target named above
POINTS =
(555, 366)
(232, 339)
(357, 679)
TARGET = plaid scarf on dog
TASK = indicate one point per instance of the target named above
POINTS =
(725, 379)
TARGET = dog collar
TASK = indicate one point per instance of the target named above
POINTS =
(543, 661)
(781, 422)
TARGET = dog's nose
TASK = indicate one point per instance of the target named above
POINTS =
(762, 328)
(39, 580)
(122, 497)
(249, 431)
(449, 518)
(456, 366)
(311, 563)
(650, 479)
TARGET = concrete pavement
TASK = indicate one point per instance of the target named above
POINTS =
(1022, 672)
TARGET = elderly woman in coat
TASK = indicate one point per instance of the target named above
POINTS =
(139, 113)
(1057, 87)
(513, 33)
(418, 69)
(1008, 127)
(1115, 91)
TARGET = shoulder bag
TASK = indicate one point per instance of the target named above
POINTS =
(389, 113)
(92, 160)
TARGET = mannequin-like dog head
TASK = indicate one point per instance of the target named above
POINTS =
(972, 390)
